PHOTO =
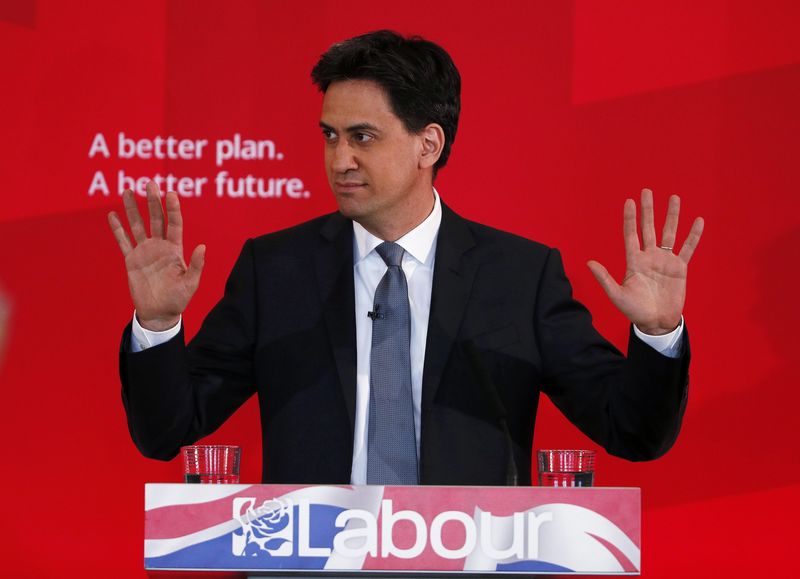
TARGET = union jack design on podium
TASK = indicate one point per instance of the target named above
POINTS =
(377, 529)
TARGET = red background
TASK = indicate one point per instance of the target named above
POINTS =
(568, 108)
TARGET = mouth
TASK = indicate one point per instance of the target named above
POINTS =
(347, 186)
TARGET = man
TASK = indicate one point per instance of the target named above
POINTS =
(386, 341)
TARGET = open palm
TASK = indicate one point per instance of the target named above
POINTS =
(160, 281)
(653, 291)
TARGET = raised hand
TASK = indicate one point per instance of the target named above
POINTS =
(654, 289)
(160, 282)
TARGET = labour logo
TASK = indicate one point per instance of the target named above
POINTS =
(266, 530)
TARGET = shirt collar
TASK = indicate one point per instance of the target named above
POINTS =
(417, 243)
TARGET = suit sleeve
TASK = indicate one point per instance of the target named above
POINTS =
(174, 394)
(632, 406)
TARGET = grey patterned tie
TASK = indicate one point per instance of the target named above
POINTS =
(391, 442)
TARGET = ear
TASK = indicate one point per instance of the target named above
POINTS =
(432, 139)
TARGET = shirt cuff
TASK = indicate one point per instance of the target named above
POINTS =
(667, 344)
(143, 339)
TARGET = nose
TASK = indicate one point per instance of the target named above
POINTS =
(342, 158)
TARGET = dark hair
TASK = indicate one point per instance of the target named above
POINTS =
(419, 77)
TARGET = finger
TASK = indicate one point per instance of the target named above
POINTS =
(629, 228)
(196, 263)
(119, 233)
(174, 219)
(156, 211)
(692, 240)
(604, 279)
(648, 222)
(671, 222)
(134, 219)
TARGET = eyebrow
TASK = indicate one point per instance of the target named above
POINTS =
(353, 128)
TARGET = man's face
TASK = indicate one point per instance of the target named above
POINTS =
(371, 160)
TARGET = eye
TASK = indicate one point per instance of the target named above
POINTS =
(329, 135)
(362, 137)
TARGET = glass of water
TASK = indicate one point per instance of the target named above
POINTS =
(211, 463)
(566, 468)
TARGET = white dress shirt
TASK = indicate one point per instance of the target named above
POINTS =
(420, 251)
(368, 269)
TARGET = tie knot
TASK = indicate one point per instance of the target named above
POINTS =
(391, 253)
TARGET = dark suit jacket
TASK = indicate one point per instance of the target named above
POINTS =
(285, 329)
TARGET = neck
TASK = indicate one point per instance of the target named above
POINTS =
(403, 221)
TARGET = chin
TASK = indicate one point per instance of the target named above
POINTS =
(348, 214)
(349, 208)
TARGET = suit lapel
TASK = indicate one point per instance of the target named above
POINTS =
(453, 274)
(452, 283)
(334, 265)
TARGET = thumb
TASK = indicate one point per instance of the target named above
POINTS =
(604, 278)
(196, 264)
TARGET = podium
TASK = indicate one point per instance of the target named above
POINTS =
(386, 531)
